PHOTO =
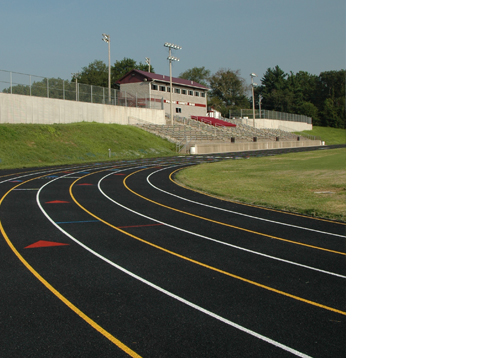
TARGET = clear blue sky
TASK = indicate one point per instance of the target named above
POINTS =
(54, 38)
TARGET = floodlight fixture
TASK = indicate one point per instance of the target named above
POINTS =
(252, 75)
(172, 46)
(173, 58)
(148, 62)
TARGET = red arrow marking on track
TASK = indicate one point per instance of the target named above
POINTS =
(57, 202)
(43, 243)
(85, 184)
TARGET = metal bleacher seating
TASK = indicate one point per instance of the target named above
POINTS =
(188, 131)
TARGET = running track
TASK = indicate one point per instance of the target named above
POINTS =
(117, 260)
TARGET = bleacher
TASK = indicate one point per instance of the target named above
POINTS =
(189, 131)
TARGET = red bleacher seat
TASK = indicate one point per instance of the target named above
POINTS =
(213, 121)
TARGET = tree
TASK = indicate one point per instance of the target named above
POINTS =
(310, 110)
(274, 90)
(120, 68)
(323, 97)
(197, 74)
(228, 90)
(332, 89)
(332, 114)
(96, 74)
(333, 84)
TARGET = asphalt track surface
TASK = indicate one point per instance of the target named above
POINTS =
(116, 260)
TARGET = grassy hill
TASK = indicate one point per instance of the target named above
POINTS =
(27, 145)
(328, 135)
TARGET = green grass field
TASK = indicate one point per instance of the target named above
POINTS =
(328, 135)
(311, 183)
(28, 145)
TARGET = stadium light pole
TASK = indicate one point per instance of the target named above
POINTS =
(148, 62)
(106, 38)
(253, 96)
(171, 59)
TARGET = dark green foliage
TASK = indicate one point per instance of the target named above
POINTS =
(95, 74)
(120, 68)
(228, 90)
(197, 74)
(323, 97)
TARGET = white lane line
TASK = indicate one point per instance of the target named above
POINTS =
(42, 172)
(235, 212)
(168, 293)
(211, 239)
(31, 174)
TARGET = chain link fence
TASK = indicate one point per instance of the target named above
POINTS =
(241, 113)
(31, 85)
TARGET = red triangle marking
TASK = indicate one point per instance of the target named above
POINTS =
(43, 243)
(57, 202)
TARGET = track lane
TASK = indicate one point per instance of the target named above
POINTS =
(190, 248)
(246, 240)
(213, 229)
(216, 214)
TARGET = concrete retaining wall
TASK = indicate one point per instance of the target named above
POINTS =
(207, 148)
(29, 109)
(287, 126)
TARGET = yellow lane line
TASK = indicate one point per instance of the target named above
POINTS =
(87, 319)
(250, 205)
(224, 224)
(198, 262)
